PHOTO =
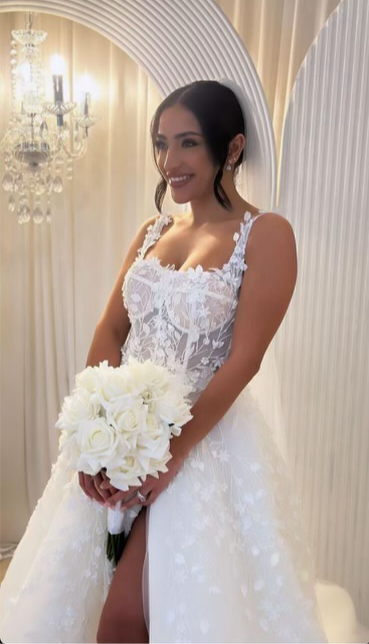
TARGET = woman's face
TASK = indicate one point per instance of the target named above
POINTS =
(181, 152)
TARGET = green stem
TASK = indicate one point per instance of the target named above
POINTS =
(115, 546)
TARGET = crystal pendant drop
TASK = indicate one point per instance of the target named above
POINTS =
(11, 203)
(8, 182)
(18, 182)
(37, 215)
(25, 213)
(40, 187)
(49, 184)
(57, 184)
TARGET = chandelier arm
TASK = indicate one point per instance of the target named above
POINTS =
(81, 150)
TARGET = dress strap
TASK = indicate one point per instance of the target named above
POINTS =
(246, 226)
(153, 233)
(236, 264)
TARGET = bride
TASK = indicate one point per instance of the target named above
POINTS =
(218, 551)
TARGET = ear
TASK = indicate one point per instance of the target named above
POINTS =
(236, 146)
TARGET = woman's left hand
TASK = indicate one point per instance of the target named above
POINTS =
(151, 488)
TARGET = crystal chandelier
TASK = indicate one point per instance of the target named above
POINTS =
(43, 138)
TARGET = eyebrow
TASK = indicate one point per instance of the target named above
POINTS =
(178, 136)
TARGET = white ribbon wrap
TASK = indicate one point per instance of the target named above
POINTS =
(122, 520)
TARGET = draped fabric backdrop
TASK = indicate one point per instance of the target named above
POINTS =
(55, 279)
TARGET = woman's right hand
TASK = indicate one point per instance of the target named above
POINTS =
(91, 486)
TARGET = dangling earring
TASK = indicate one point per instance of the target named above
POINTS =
(228, 166)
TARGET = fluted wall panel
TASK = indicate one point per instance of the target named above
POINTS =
(322, 347)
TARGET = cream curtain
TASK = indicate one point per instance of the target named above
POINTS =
(55, 279)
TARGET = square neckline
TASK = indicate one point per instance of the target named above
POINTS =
(198, 269)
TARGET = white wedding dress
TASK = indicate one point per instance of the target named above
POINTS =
(227, 557)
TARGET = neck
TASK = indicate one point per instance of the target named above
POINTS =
(208, 210)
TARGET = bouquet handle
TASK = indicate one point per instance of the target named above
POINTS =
(119, 526)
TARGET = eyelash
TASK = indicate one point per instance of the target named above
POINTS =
(158, 144)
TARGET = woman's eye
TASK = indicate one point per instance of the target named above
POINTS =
(160, 144)
(189, 141)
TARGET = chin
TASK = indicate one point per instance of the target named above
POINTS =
(183, 200)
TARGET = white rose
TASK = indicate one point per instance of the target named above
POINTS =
(157, 449)
(154, 378)
(116, 386)
(130, 420)
(153, 425)
(75, 409)
(113, 383)
(172, 408)
(123, 404)
(153, 440)
(99, 445)
(127, 474)
(88, 379)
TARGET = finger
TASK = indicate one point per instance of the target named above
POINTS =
(115, 498)
(106, 485)
(104, 494)
(83, 483)
(150, 499)
(146, 491)
(132, 503)
(91, 489)
(124, 497)
(80, 479)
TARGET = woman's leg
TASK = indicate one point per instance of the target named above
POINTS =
(122, 617)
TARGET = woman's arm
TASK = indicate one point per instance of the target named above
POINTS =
(113, 326)
(265, 295)
(110, 335)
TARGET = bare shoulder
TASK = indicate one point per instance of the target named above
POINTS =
(272, 223)
(272, 234)
(142, 230)
(267, 287)
(137, 241)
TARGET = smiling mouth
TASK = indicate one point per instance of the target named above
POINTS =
(179, 184)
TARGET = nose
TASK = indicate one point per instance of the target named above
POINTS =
(170, 161)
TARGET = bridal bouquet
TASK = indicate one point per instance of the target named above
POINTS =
(121, 419)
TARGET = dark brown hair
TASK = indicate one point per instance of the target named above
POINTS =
(220, 116)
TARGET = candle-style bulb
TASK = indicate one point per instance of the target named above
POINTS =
(57, 65)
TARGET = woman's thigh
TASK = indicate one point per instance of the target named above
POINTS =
(122, 618)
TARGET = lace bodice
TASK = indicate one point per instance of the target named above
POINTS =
(183, 318)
